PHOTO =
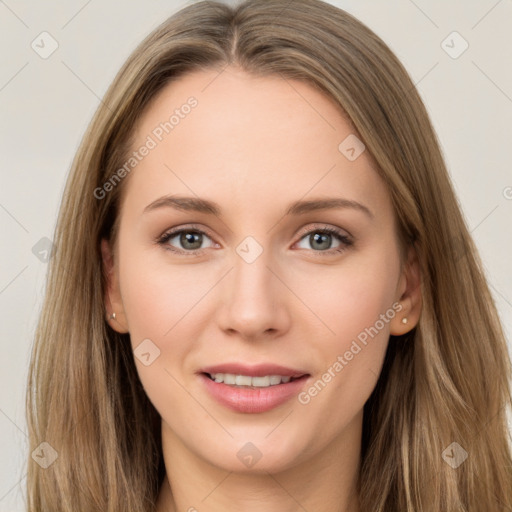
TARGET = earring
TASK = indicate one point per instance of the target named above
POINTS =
(112, 316)
(404, 320)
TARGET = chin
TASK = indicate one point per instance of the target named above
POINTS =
(255, 454)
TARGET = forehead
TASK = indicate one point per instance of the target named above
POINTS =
(246, 138)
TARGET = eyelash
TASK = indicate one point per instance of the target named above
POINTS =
(346, 242)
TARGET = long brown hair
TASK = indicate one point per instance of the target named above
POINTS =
(447, 381)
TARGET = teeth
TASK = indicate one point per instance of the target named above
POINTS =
(246, 380)
(274, 379)
(242, 380)
(228, 378)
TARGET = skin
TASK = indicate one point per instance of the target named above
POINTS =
(254, 145)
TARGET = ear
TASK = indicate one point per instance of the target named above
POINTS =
(113, 300)
(408, 295)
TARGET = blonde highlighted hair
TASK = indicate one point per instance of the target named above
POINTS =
(446, 381)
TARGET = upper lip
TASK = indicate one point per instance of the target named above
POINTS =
(258, 370)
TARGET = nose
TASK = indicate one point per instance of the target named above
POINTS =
(254, 301)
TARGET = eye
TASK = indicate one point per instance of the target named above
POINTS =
(321, 240)
(188, 239)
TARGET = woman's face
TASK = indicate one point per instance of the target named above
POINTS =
(249, 282)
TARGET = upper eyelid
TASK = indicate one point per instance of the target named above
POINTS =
(192, 228)
(326, 227)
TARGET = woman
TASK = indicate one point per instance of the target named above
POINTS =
(197, 349)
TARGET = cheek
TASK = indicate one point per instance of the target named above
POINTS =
(354, 306)
(349, 298)
(157, 296)
(161, 304)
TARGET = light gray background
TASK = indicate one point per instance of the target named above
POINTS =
(45, 105)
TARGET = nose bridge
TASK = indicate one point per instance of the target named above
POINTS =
(252, 278)
(252, 302)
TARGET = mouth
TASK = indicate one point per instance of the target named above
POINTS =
(252, 389)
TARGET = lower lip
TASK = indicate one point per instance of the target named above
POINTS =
(253, 400)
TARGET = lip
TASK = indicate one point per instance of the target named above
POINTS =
(251, 400)
(258, 370)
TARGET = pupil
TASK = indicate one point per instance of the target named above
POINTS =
(188, 238)
(319, 238)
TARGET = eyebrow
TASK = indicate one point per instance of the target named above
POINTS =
(196, 204)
